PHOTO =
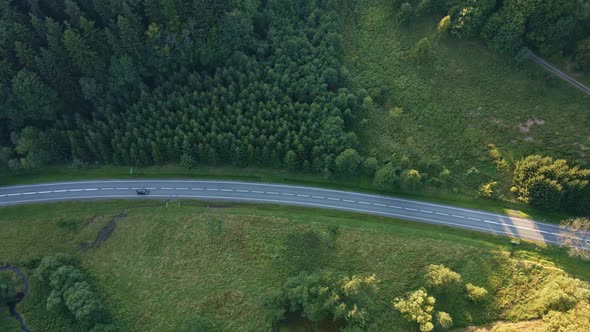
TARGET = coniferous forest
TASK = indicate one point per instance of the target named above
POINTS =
(138, 82)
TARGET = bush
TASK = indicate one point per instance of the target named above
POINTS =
(422, 53)
(370, 166)
(475, 293)
(417, 307)
(583, 54)
(439, 276)
(488, 190)
(348, 162)
(444, 24)
(504, 31)
(405, 13)
(411, 178)
(386, 177)
(444, 320)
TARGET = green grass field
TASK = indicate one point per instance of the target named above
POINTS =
(466, 98)
(163, 266)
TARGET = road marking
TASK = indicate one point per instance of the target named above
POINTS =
(75, 190)
(242, 191)
(489, 221)
(2, 195)
(395, 207)
(426, 211)
(320, 197)
(29, 193)
(258, 192)
(333, 199)
(162, 188)
(197, 189)
(211, 189)
(91, 189)
(13, 195)
(272, 192)
(104, 189)
(301, 195)
(474, 219)
(442, 214)
(59, 191)
(377, 204)
(228, 190)
(365, 203)
(410, 209)
(456, 216)
(287, 194)
(349, 201)
(128, 188)
(181, 188)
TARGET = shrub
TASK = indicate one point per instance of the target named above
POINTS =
(439, 276)
(488, 190)
(348, 162)
(370, 166)
(583, 54)
(476, 293)
(386, 177)
(418, 307)
(444, 24)
(422, 53)
(405, 13)
(444, 320)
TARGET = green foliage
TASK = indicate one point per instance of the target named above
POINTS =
(411, 178)
(575, 319)
(34, 99)
(441, 277)
(8, 289)
(406, 13)
(445, 24)
(504, 31)
(583, 54)
(443, 320)
(488, 190)
(306, 251)
(348, 162)
(575, 234)
(370, 166)
(71, 291)
(417, 307)
(214, 227)
(422, 53)
(325, 295)
(386, 177)
(552, 184)
(470, 19)
(476, 293)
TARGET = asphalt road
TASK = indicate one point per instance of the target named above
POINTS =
(286, 195)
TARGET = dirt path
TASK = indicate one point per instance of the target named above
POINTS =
(560, 74)
(20, 296)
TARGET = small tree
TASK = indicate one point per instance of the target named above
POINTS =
(411, 178)
(476, 293)
(370, 166)
(348, 162)
(488, 190)
(386, 177)
(422, 52)
(406, 13)
(440, 276)
(444, 320)
(583, 54)
(418, 307)
(575, 234)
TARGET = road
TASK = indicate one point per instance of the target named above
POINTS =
(554, 70)
(287, 195)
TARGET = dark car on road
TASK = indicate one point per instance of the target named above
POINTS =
(143, 191)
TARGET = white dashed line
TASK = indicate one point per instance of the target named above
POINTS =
(320, 197)
(228, 190)
(475, 219)
(75, 190)
(365, 203)
(349, 201)
(163, 188)
(456, 216)
(489, 221)
(301, 195)
(197, 189)
(377, 204)
(426, 211)
(44, 192)
(410, 209)
(13, 195)
(258, 192)
(2, 195)
(442, 214)
(59, 191)
(287, 194)
(211, 189)
(30, 193)
(91, 189)
(272, 193)
(181, 188)
(333, 199)
(102, 189)
(395, 207)
(242, 191)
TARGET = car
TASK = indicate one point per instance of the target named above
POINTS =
(143, 191)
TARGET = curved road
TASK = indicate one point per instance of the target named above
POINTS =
(288, 195)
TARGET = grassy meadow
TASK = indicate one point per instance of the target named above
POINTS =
(163, 266)
(466, 98)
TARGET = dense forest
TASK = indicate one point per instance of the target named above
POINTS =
(193, 81)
